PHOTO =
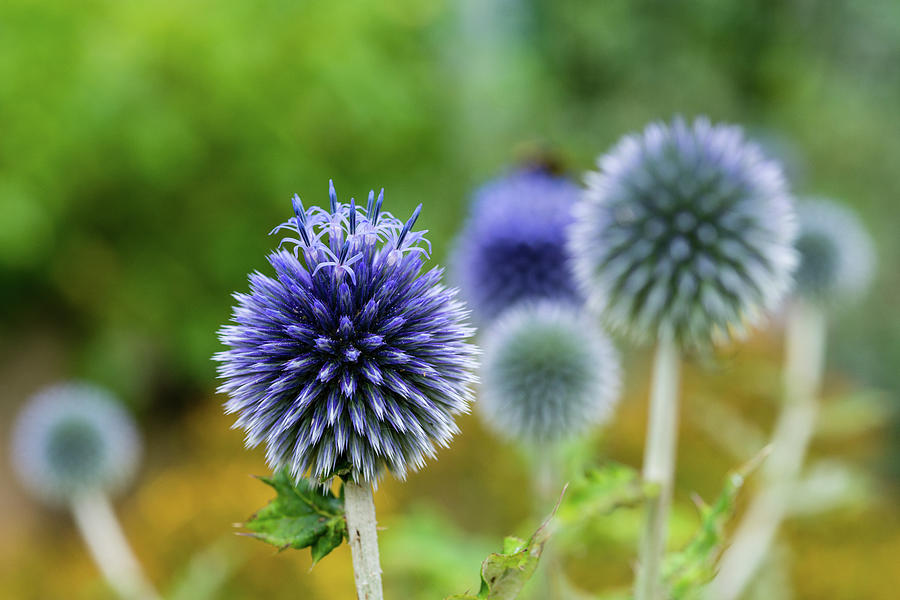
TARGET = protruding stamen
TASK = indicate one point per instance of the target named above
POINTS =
(352, 216)
(374, 217)
(332, 196)
(300, 215)
(369, 204)
(409, 224)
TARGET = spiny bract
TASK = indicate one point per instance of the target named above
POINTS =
(513, 247)
(687, 232)
(73, 439)
(548, 374)
(836, 253)
(349, 361)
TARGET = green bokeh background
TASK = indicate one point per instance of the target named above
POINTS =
(146, 149)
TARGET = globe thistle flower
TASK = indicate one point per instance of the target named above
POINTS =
(349, 360)
(686, 231)
(513, 247)
(548, 374)
(836, 253)
(73, 439)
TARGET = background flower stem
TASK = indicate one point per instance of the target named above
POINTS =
(106, 542)
(659, 468)
(548, 480)
(360, 507)
(804, 356)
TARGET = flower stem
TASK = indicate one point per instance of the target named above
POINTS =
(360, 507)
(659, 469)
(805, 355)
(101, 532)
(548, 474)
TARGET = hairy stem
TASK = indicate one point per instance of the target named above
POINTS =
(101, 532)
(804, 356)
(659, 469)
(360, 507)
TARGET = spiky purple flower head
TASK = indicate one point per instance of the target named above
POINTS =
(513, 247)
(349, 361)
(71, 439)
(687, 232)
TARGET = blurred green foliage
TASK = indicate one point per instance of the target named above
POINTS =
(147, 149)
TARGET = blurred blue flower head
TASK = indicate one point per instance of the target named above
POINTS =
(686, 231)
(72, 439)
(513, 247)
(349, 360)
(837, 258)
(548, 374)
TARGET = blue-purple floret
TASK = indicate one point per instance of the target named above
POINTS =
(513, 247)
(349, 360)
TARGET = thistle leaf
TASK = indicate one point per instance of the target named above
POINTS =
(300, 516)
(504, 574)
(687, 571)
(600, 491)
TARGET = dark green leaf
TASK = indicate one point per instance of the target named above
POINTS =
(300, 516)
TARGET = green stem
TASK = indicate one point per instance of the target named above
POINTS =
(804, 362)
(359, 505)
(659, 469)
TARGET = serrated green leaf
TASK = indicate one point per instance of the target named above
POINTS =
(687, 571)
(512, 544)
(504, 574)
(300, 516)
(601, 490)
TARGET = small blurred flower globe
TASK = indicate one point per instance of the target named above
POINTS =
(548, 374)
(350, 361)
(837, 258)
(73, 439)
(686, 232)
(513, 246)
